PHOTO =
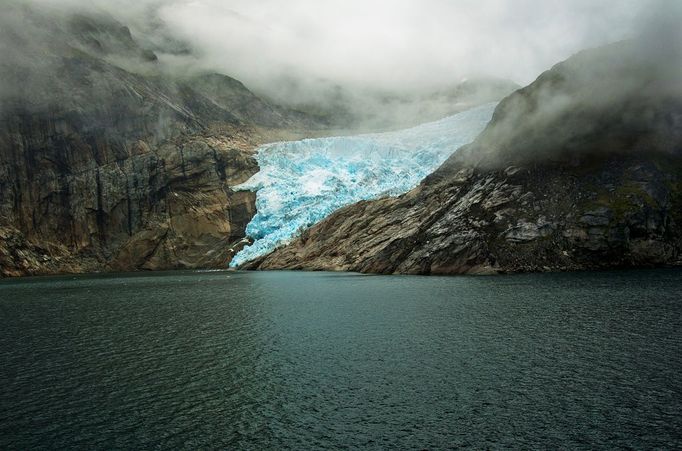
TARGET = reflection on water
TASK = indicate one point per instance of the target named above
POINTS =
(320, 360)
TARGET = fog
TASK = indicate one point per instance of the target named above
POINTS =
(351, 57)
(619, 98)
(391, 44)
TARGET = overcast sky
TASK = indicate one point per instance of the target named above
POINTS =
(390, 43)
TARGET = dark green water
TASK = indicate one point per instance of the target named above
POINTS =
(319, 360)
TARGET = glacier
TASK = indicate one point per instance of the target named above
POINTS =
(302, 182)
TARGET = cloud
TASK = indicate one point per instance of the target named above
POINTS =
(393, 44)
(618, 99)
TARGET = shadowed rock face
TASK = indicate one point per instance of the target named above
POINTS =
(574, 172)
(102, 168)
(135, 206)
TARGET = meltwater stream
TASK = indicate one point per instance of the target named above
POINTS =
(302, 182)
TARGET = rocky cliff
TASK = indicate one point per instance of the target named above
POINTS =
(108, 163)
(582, 169)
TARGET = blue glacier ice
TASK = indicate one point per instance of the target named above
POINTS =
(302, 182)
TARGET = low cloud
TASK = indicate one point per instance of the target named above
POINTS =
(394, 43)
(383, 43)
(301, 51)
(620, 98)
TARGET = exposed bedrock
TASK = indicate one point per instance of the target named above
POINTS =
(72, 204)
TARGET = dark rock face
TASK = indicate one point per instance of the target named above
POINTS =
(580, 170)
(102, 168)
(126, 196)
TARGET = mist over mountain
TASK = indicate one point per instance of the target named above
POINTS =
(579, 170)
(127, 124)
(111, 158)
(625, 96)
(390, 46)
(382, 44)
(343, 61)
(43, 42)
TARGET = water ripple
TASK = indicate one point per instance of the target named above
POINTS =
(321, 361)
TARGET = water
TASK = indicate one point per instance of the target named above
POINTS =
(302, 182)
(318, 360)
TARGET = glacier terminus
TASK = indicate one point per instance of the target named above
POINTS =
(302, 182)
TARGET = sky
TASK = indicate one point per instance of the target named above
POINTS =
(380, 43)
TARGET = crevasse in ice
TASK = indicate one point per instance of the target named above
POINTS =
(302, 182)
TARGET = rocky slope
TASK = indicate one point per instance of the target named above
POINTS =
(582, 169)
(107, 163)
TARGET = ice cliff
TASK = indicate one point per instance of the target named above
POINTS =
(302, 182)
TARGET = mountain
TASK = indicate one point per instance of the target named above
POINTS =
(582, 169)
(109, 163)
(113, 160)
